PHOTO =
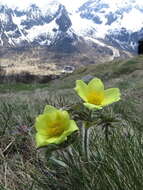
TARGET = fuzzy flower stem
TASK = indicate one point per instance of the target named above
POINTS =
(85, 140)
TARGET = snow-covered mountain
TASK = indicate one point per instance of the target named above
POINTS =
(32, 25)
(61, 26)
(119, 22)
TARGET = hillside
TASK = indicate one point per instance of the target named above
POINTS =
(43, 64)
(113, 160)
(126, 75)
(116, 72)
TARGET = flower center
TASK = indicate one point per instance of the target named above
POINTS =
(56, 129)
(95, 98)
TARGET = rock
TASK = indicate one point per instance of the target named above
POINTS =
(68, 69)
(87, 78)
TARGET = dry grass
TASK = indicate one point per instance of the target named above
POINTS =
(30, 65)
(41, 61)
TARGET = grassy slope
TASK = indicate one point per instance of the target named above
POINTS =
(114, 166)
(116, 72)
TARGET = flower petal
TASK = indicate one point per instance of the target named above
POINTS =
(49, 108)
(41, 140)
(45, 121)
(73, 127)
(111, 95)
(53, 126)
(57, 140)
(81, 89)
(41, 123)
(95, 85)
(63, 117)
(92, 106)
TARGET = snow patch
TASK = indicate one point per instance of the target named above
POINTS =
(85, 27)
(46, 29)
(133, 20)
(115, 51)
(4, 17)
(44, 5)
(18, 20)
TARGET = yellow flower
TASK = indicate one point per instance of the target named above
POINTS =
(94, 94)
(53, 126)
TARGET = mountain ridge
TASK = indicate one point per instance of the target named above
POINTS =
(59, 29)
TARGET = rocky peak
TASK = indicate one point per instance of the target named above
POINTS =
(35, 26)
(63, 20)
